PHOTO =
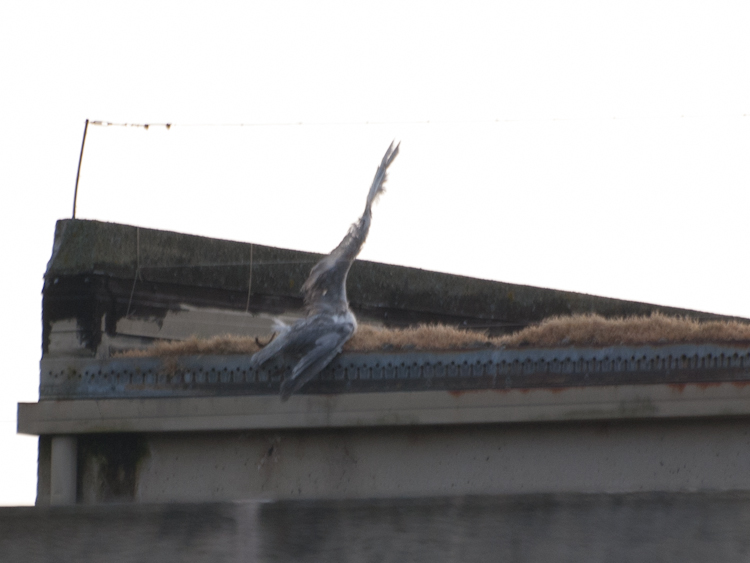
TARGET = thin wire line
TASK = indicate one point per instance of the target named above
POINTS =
(101, 123)
(78, 174)
(137, 268)
(249, 280)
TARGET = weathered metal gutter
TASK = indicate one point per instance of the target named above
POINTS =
(379, 372)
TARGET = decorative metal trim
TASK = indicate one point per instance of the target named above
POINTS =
(78, 378)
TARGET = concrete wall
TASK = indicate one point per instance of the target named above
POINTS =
(658, 527)
(117, 533)
(391, 462)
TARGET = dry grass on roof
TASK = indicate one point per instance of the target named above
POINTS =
(225, 345)
(596, 331)
(421, 337)
(578, 330)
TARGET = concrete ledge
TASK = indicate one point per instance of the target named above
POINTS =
(658, 527)
(385, 409)
(129, 533)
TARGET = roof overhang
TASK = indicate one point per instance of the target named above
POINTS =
(225, 413)
(405, 388)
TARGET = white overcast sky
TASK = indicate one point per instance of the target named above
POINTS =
(593, 146)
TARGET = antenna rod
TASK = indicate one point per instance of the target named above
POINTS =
(78, 175)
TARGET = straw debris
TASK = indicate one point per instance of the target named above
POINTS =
(596, 331)
(224, 345)
(577, 330)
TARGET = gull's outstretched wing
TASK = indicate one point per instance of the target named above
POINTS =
(325, 287)
(326, 348)
(313, 342)
(272, 349)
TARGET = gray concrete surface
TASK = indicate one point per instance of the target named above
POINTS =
(654, 527)
(534, 528)
(432, 461)
(573, 457)
(216, 533)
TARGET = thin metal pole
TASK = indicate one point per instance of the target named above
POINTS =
(78, 175)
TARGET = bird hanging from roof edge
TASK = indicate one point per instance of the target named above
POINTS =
(316, 339)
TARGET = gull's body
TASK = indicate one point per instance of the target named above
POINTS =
(315, 340)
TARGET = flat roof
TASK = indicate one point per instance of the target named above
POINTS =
(147, 272)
